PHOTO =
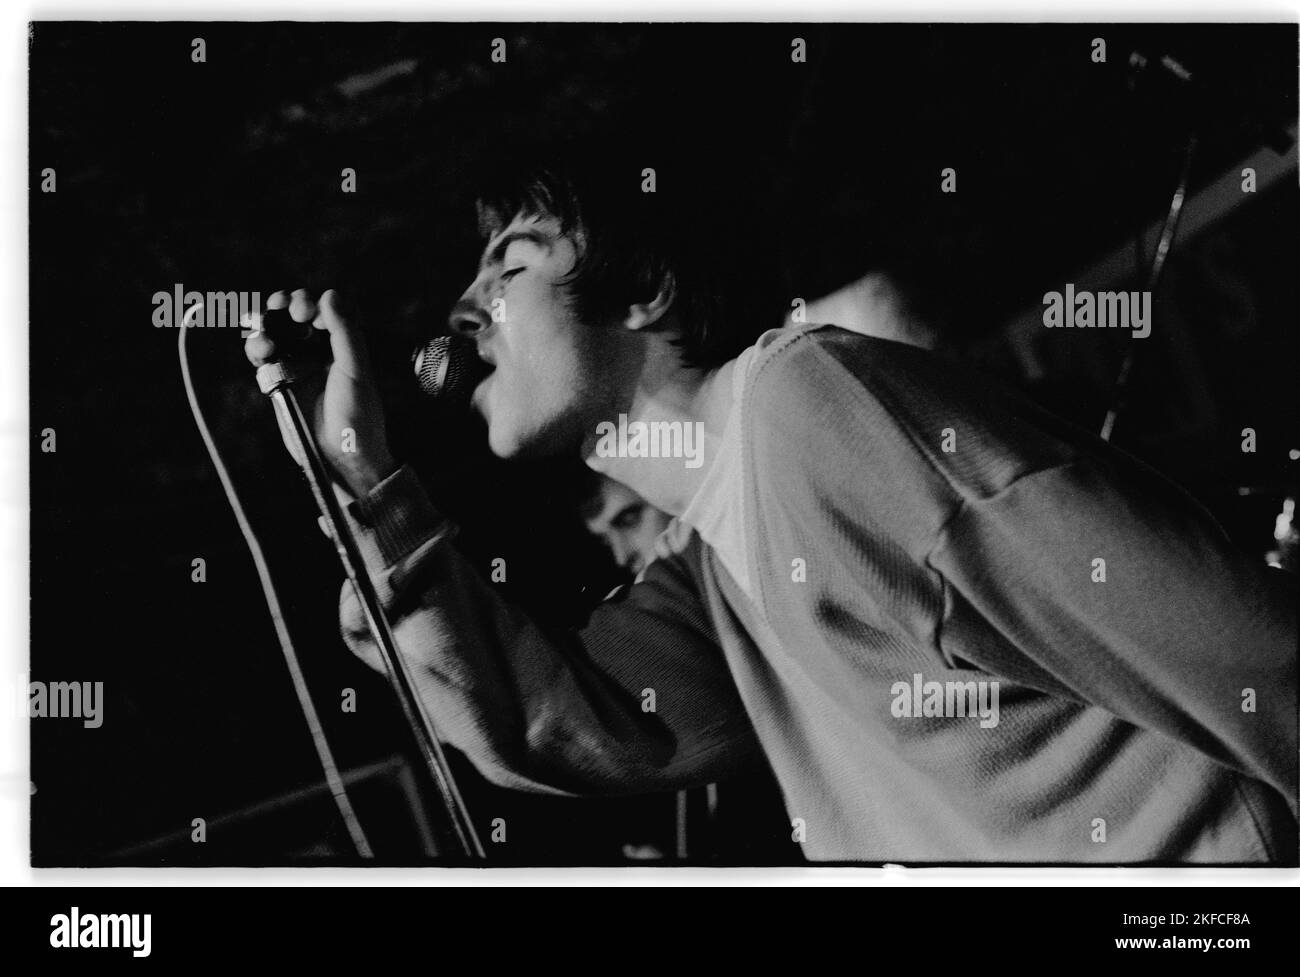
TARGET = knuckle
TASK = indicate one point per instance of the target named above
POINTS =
(258, 347)
(302, 307)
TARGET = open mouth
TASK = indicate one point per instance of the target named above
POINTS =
(480, 386)
(481, 369)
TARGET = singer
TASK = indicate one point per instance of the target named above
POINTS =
(865, 513)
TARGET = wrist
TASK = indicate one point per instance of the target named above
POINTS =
(362, 475)
(395, 520)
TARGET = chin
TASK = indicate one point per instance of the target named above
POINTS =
(504, 442)
(515, 441)
(531, 441)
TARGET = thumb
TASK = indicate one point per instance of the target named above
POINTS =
(348, 348)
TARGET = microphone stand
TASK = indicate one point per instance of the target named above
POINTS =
(1119, 395)
(276, 381)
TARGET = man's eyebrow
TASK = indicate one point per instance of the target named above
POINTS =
(532, 235)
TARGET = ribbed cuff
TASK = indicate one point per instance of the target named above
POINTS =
(394, 519)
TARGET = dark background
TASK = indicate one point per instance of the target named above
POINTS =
(226, 175)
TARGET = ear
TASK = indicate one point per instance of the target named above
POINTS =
(643, 315)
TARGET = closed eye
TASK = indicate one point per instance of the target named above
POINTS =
(627, 518)
(510, 273)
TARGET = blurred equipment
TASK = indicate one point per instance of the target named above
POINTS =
(1287, 554)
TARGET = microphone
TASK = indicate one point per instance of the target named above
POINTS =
(448, 368)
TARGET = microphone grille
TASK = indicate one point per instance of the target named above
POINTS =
(448, 368)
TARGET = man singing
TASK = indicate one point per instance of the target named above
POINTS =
(881, 546)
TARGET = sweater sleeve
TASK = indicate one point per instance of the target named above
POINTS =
(640, 699)
(1122, 588)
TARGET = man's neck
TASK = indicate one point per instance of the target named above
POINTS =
(678, 396)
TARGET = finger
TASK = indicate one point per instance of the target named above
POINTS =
(249, 323)
(278, 300)
(349, 351)
(302, 307)
(259, 349)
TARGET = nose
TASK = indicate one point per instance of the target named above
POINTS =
(467, 318)
(623, 552)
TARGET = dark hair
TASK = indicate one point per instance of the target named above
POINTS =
(698, 230)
